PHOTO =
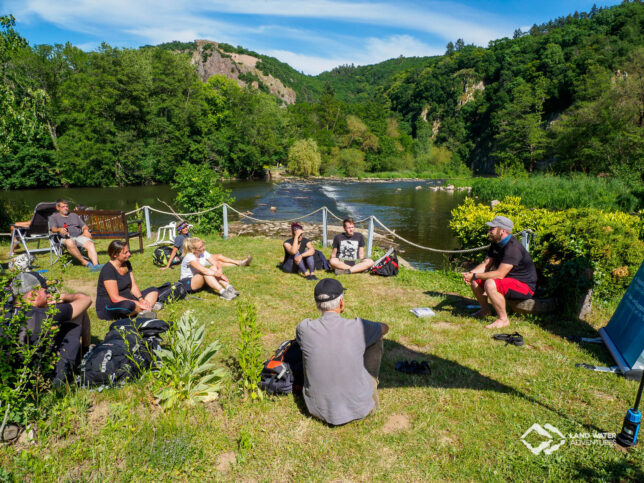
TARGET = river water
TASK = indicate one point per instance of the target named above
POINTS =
(419, 215)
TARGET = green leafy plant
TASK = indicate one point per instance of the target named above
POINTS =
(199, 189)
(25, 364)
(186, 371)
(250, 350)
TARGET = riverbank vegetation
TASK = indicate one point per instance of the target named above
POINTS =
(463, 422)
(574, 249)
(563, 96)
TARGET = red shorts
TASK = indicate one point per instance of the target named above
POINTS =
(511, 288)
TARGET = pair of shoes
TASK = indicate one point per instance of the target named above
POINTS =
(233, 289)
(95, 268)
(311, 277)
(514, 339)
(147, 314)
(157, 306)
(342, 271)
(414, 367)
(227, 293)
(246, 261)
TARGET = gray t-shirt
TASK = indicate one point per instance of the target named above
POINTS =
(74, 222)
(337, 386)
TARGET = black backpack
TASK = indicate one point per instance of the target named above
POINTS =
(171, 291)
(387, 266)
(320, 261)
(127, 350)
(161, 255)
(284, 372)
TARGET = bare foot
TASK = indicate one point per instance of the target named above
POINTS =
(498, 323)
(481, 313)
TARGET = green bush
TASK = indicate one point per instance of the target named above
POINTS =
(566, 244)
(198, 189)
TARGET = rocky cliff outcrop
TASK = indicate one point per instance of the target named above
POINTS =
(209, 60)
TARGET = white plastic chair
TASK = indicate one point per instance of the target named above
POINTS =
(168, 231)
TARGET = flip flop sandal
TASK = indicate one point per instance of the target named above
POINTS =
(514, 339)
(421, 368)
(413, 367)
(403, 366)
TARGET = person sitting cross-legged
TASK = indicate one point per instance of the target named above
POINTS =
(199, 268)
(299, 254)
(506, 272)
(74, 234)
(347, 255)
(117, 294)
(341, 359)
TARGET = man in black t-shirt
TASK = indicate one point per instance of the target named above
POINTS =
(70, 316)
(506, 272)
(347, 255)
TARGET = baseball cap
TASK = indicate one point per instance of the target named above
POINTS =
(182, 225)
(27, 281)
(501, 222)
(296, 226)
(328, 289)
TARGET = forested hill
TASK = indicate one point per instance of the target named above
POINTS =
(567, 96)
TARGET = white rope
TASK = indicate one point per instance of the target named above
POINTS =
(186, 214)
(242, 215)
(427, 248)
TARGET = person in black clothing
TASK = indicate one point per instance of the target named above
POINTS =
(70, 316)
(347, 255)
(506, 272)
(117, 294)
(299, 254)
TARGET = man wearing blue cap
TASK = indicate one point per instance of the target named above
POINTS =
(341, 359)
(507, 272)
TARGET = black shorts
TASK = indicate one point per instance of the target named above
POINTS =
(122, 309)
(187, 284)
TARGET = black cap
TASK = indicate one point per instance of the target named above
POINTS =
(328, 289)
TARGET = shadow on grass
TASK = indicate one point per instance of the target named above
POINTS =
(613, 471)
(553, 323)
(448, 374)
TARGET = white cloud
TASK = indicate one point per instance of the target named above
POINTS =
(371, 51)
(309, 49)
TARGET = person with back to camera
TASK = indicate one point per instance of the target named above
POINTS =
(183, 229)
(347, 256)
(341, 359)
(117, 294)
(299, 254)
(195, 271)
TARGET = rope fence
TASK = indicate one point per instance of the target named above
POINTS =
(526, 235)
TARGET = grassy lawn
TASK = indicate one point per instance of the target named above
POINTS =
(464, 422)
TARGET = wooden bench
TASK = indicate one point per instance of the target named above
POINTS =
(111, 224)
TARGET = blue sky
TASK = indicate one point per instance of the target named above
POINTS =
(311, 36)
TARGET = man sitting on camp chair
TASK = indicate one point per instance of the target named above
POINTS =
(74, 234)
